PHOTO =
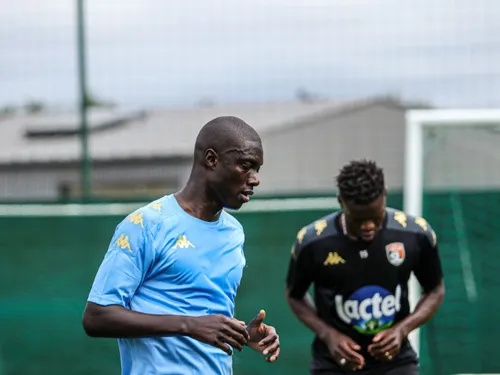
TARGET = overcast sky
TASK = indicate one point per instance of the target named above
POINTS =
(167, 53)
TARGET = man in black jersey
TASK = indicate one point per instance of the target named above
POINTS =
(359, 260)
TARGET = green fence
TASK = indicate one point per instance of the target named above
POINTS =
(48, 264)
(462, 337)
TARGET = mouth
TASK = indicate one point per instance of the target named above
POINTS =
(245, 195)
(368, 236)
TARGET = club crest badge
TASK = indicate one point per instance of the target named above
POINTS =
(395, 253)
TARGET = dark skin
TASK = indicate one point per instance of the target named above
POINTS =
(217, 180)
(363, 223)
(340, 345)
(233, 171)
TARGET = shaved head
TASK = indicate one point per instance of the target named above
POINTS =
(227, 158)
(224, 134)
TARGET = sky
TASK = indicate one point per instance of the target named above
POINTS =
(157, 53)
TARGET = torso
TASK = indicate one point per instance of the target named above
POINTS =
(361, 289)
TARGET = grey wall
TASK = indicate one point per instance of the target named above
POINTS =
(305, 159)
(309, 158)
(44, 182)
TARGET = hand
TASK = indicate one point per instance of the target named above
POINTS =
(218, 330)
(263, 338)
(344, 351)
(387, 343)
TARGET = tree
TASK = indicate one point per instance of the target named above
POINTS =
(95, 102)
(34, 106)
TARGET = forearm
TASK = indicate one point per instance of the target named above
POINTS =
(119, 322)
(305, 311)
(425, 309)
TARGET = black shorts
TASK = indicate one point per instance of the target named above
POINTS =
(403, 369)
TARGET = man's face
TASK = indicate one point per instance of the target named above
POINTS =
(364, 221)
(236, 174)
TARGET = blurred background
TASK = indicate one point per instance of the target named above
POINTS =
(100, 104)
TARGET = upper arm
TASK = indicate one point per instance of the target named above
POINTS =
(428, 271)
(300, 269)
(125, 264)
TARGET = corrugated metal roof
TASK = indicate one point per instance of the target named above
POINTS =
(161, 133)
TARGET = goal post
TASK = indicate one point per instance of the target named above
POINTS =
(418, 122)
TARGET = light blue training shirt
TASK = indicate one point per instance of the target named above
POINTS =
(161, 260)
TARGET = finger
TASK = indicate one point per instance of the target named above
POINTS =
(387, 353)
(351, 356)
(353, 366)
(386, 357)
(235, 335)
(393, 352)
(349, 365)
(379, 336)
(385, 345)
(353, 345)
(258, 319)
(348, 348)
(263, 329)
(274, 357)
(223, 347)
(271, 348)
(238, 328)
(271, 337)
(380, 353)
(381, 346)
(236, 332)
(231, 341)
(385, 341)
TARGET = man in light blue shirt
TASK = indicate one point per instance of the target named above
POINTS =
(167, 285)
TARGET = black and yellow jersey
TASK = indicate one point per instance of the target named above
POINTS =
(362, 288)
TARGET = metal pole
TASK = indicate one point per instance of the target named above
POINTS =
(82, 80)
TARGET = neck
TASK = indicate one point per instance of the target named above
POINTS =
(196, 199)
(345, 228)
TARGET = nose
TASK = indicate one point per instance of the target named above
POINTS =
(254, 180)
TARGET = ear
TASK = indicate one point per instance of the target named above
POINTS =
(341, 203)
(211, 158)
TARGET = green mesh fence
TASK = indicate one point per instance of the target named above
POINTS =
(48, 265)
(461, 338)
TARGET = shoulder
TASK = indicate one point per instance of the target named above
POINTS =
(149, 216)
(229, 224)
(230, 221)
(418, 226)
(314, 232)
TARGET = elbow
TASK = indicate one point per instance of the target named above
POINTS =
(288, 297)
(292, 300)
(438, 293)
(91, 324)
(441, 292)
(287, 294)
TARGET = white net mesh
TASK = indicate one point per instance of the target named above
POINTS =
(462, 202)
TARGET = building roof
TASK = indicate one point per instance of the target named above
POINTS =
(117, 134)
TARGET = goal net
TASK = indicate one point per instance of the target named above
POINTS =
(453, 180)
